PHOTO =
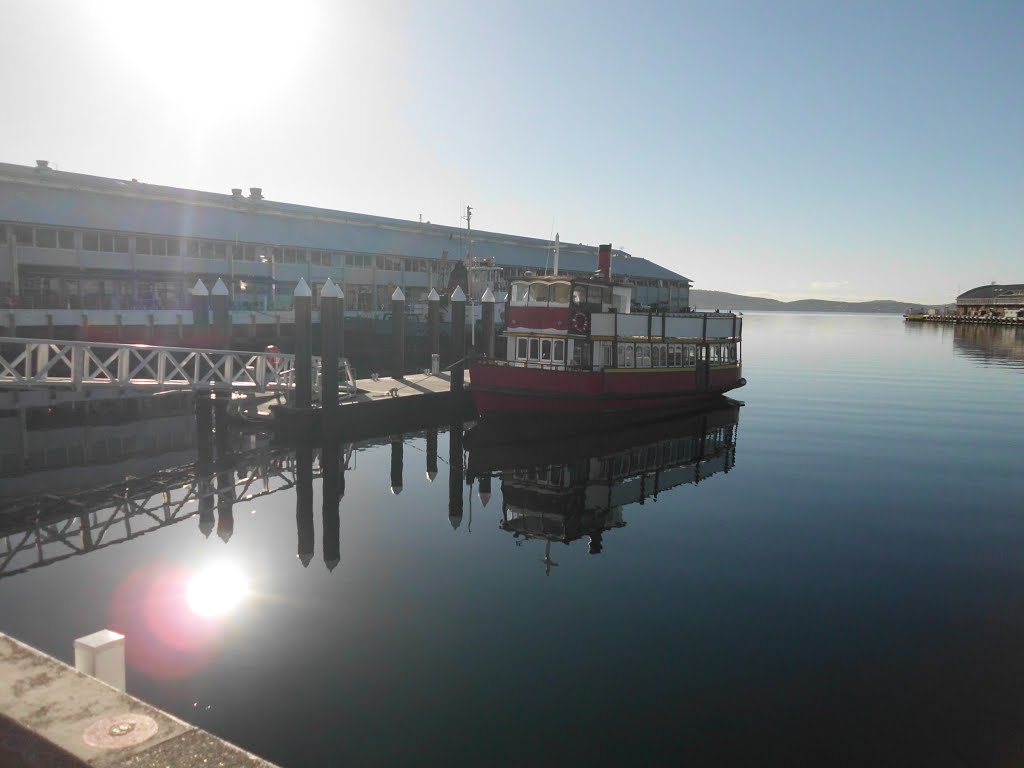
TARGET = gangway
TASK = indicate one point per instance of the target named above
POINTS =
(78, 365)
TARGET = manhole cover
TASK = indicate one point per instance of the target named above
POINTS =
(120, 731)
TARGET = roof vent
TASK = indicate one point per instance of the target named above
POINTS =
(255, 193)
(236, 192)
(42, 165)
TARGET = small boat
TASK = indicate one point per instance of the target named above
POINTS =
(573, 346)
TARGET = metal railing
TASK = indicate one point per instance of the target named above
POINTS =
(29, 363)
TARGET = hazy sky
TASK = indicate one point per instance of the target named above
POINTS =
(826, 149)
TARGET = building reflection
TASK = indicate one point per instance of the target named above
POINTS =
(990, 344)
(562, 491)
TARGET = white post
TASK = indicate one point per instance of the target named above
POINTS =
(556, 255)
(101, 655)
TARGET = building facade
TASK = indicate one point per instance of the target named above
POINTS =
(997, 301)
(74, 241)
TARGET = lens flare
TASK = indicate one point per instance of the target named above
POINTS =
(216, 590)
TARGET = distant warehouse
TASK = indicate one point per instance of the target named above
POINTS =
(992, 301)
(70, 240)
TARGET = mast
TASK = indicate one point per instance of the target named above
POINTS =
(556, 254)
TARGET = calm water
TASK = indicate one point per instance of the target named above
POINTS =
(850, 591)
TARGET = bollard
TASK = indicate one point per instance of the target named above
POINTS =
(435, 364)
(434, 328)
(329, 300)
(397, 334)
(101, 655)
(431, 454)
(487, 309)
(303, 345)
(455, 475)
(200, 311)
(304, 501)
(329, 461)
(397, 464)
(458, 308)
(219, 306)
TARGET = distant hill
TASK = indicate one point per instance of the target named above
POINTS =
(723, 300)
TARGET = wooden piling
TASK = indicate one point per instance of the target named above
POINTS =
(304, 501)
(458, 352)
(329, 300)
(487, 310)
(431, 454)
(220, 309)
(303, 305)
(200, 311)
(330, 459)
(397, 334)
(434, 324)
(455, 475)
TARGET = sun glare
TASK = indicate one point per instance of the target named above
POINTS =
(217, 590)
(208, 54)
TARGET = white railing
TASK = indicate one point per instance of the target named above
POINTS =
(80, 364)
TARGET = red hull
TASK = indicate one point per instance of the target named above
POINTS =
(508, 389)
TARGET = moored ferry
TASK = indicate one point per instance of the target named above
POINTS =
(573, 345)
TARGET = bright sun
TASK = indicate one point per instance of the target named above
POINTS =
(207, 54)
(217, 590)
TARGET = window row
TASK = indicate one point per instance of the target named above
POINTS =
(630, 355)
(44, 237)
(540, 350)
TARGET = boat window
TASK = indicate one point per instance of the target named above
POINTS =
(579, 294)
(730, 352)
(658, 355)
(534, 349)
(521, 345)
(538, 293)
(689, 355)
(625, 355)
(520, 292)
(560, 293)
(558, 353)
(675, 357)
(643, 355)
(599, 294)
(545, 349)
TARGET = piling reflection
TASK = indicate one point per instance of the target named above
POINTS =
(554, 489)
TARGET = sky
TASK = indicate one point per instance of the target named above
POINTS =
(846, 150)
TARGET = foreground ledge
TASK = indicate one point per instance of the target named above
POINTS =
(51, 715)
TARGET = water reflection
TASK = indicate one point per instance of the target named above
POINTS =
(990, 344)
(564, 490)
(556, 489)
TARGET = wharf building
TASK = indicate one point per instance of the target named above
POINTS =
(76, 241)
(992, 301)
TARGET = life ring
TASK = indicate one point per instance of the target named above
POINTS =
(580, 322)
(273, 356)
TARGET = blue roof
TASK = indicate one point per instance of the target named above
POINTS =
(60, 199)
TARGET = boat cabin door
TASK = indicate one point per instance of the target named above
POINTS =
(703, 366)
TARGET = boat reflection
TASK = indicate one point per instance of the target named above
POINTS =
(561, 491)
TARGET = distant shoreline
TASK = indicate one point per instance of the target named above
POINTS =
(723, 300)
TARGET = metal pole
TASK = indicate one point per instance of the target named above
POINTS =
(303, 304)
(397, 334)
